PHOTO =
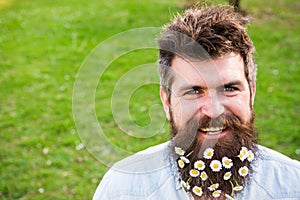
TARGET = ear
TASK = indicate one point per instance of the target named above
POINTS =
(165, 102)
(253, 91)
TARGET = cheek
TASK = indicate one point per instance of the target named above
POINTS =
(183, 111)
(240, 108)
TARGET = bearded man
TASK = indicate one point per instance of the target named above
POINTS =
(208, 84)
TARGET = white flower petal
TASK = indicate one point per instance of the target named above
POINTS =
(194, 173)
(227, 176)
(227, 163)
(243, 171)
(215, 165)
(213, 187)
(243, 154)
(238, 188)
(179, 151)
(200, 165)
(197, 191)
(186, 185)
(208, 153)
(181, 164)
(203, 176)
(250, 156)
(184, 159)
(217, 193)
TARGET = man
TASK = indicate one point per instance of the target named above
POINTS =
(208, 83)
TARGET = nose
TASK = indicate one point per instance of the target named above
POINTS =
(212, 105)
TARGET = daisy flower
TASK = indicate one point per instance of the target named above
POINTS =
(229, 197)
(208, 153)
(180, 163)
(238, 188)
(227, 163)
(200, 165)
(215, 165)
(227, 176)
(184, 159)
(250, 156)
(213, 187)
(197, 191)
(194, 173)
(179, 151)
(243, 154)
(203, 176)
(186, 185)
(217, 193)
(243, 171)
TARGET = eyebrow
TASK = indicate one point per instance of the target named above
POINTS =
(187, 87)
(231, 83)
(198, 87)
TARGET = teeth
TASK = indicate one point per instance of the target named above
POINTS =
(212, 130)
(214, 133)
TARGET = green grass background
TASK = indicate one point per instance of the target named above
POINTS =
(44, 42)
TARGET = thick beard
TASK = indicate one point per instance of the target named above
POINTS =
(240, 135)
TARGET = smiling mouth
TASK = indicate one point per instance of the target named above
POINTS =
(212, 130)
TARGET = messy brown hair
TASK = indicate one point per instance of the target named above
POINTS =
(216, 30)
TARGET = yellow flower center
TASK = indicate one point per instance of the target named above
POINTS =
(194, 172)
(208, 153)
(216, 166)
(244, 171)
(216, 192)
(227, 162)
(197, 190)
(199, 165)
(180, 163)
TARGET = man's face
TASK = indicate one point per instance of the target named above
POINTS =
(211, 107)
(209, 89)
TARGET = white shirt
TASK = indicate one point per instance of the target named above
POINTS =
(149, 175)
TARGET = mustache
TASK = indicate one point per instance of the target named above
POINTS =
(187, 136)
(228, 121)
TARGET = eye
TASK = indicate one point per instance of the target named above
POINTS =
(193, 93)
(230, 89)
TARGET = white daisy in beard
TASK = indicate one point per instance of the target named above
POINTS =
(238, 188)
(197, 191)
(227, 163)
(213, 187)
(243, 171)
(215, 165)
(194, 173)
(186, 185)
(181, 164)
(243, 154)
(208, 153)
(203, 176)
(227, 176)
(200, 165)
(184, 159)
(216, 193)
(179, 151)
(250, 156)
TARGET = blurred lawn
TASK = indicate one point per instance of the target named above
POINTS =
(42, 45)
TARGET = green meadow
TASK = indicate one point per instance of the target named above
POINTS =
(46, 154)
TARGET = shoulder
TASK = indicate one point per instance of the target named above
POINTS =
(136, 176)
(277, 174)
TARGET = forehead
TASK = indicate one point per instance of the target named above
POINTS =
(209, 72)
